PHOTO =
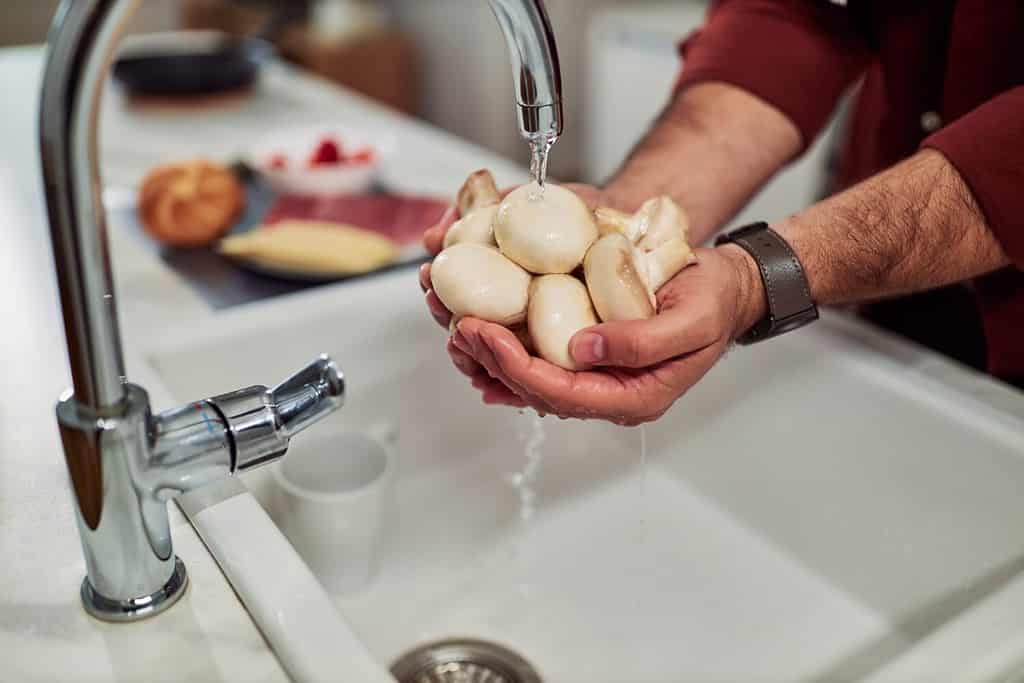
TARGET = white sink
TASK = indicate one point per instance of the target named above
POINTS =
(814, 509)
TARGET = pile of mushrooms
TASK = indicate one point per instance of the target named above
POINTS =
(517, 260)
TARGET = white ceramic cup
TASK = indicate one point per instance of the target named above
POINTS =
(330, 499)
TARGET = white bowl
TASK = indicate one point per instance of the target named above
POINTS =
(298, 145)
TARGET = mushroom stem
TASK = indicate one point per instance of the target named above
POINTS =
(477, 192)
(477, 202)
(613, 221)
(655, 222)
(666, 261)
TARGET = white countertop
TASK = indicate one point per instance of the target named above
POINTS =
(44, 632)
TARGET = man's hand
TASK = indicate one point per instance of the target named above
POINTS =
(640, 367)
(433, 239)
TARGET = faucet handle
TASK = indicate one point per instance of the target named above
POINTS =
(262, 421)
(309, 395)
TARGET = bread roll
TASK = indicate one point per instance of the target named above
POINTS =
(190, 204)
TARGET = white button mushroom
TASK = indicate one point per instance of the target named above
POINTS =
(550, 231)
(476, 280)
(635, 256)
(477, 202)
(559, 308)
(544, 230)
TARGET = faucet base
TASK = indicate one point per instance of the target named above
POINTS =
(138, 608)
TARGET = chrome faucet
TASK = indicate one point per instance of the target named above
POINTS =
(536, 74)
(125, 463)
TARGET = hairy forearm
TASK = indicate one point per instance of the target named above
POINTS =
(913, 227)
(712, 148)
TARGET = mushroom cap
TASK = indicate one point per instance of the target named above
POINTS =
(478, 191)
(545, 230)
(617, 281)
(476, 280)
(476, 226)
(559, 308)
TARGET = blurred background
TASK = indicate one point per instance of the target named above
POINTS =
(444, 60)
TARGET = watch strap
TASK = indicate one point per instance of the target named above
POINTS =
(785, 284)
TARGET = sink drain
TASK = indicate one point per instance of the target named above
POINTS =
(463, 660)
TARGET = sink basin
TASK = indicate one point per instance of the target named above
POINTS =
(813, 510)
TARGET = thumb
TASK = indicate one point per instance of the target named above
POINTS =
(641, 343)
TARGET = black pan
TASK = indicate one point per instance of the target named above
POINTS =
(232, 65)
(229, 63)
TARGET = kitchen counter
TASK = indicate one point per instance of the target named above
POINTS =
(208, 636)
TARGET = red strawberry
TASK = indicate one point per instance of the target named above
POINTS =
(328, 153)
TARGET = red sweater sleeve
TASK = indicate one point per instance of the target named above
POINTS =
(987, 147)
(797, 55)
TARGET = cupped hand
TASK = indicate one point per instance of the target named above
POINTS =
(433, 240)
(639, 367)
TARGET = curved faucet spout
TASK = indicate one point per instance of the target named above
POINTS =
(82, 42)
(536, 73)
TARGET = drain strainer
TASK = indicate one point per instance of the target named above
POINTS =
(463, 660)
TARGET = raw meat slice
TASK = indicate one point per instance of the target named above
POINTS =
(400, 218)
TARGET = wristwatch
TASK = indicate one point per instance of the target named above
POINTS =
(789, 298)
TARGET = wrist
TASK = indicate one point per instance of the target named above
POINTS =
(751, 304)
